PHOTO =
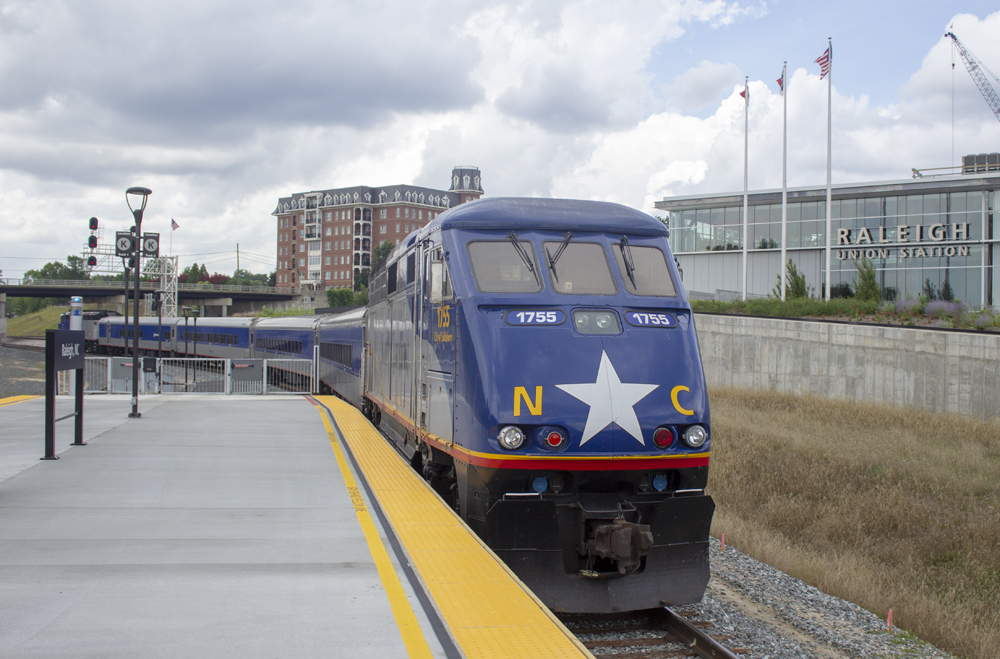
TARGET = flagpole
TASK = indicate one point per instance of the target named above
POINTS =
(784, 180)
(746, 124)
(829, 187)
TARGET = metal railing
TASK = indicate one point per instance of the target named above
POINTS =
(289, 376)
(112, 375)
(193, 376)
(145, 285)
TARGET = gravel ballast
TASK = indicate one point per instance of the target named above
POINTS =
(776, 616)
(22, 372)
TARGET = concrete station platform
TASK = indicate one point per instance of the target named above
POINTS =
(230, 526)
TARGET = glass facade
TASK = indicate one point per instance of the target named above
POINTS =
(937, 244)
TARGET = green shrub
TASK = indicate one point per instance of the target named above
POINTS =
(866, 282)
(795, 284)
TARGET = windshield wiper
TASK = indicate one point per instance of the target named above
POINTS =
(519, 248)
(627, 259)
(553, 259)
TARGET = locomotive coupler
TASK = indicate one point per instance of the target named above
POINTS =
(623, 542)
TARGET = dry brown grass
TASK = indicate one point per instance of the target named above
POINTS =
(887, 507)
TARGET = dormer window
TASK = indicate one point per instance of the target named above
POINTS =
(477, 183)
(454, 181)
(421, 199)
(368, 197)
(327, 200)
(382, 197)
(356, 196)
(398, 195)
(466, 180)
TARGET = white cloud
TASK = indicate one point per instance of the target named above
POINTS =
(702, 85)
(222, 108)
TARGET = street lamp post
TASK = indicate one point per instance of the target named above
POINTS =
(136, 197)
(158, 299)
(196, 313)
(185, 311)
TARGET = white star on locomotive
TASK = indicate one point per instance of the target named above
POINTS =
(610, 401)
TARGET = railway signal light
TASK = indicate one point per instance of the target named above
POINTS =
(91, 261)
(93, 224)
(92, 241)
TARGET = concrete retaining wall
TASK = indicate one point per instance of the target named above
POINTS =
(934, 370)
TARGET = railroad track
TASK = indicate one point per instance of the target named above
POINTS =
(649, 634)
(35, 343)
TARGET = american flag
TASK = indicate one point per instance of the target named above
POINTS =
(781, 82)
(746, 95)
(173, 225)
(824, 63)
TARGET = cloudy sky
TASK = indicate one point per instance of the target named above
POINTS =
(221, 107)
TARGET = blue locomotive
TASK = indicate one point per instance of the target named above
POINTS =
(537, 361)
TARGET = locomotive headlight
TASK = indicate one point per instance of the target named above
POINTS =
(511, 437)
(695, 436)
(589, 321)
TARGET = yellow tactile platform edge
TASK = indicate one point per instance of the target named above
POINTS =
(489, 611)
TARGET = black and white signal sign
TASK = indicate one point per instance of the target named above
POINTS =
(151, 245)
(123, 243)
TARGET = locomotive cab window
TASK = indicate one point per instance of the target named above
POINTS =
(643, 270)
(577, 268)
(438, 282)
(504, 266)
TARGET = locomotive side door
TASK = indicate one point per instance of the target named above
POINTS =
(437, 364)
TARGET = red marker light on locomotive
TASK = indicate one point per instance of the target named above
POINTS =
(555, 439)
(663, 437)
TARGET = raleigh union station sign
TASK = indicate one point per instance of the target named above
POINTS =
(933, 240)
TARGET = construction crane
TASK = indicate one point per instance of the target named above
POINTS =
(976, 69)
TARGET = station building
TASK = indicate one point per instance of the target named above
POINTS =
(325, 237)
(932, 234)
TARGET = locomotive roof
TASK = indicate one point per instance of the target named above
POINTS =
(523, 213)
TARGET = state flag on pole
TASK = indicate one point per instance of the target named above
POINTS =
(824, 63)
(173, 225)
(746, 94)
(781, 82)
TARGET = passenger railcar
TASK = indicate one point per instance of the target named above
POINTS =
(341, 352)
(537, 360)
(221, 338)
(90, 321)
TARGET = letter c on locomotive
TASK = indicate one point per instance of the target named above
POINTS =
(677, 405)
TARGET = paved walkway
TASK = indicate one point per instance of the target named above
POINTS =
(211, 527)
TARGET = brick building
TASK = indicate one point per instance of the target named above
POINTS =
(325, 237)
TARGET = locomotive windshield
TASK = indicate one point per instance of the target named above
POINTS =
(504, 266)
(581, 269)
(648, 267)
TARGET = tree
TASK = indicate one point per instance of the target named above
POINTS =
(929, 291)
(361, 278)
(193, 274)
(340, 297)
(795, 286)
(380, 254)
(74, 269)
(866, 281)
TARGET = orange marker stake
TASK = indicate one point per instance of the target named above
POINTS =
(722, 544)
(888, 621)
